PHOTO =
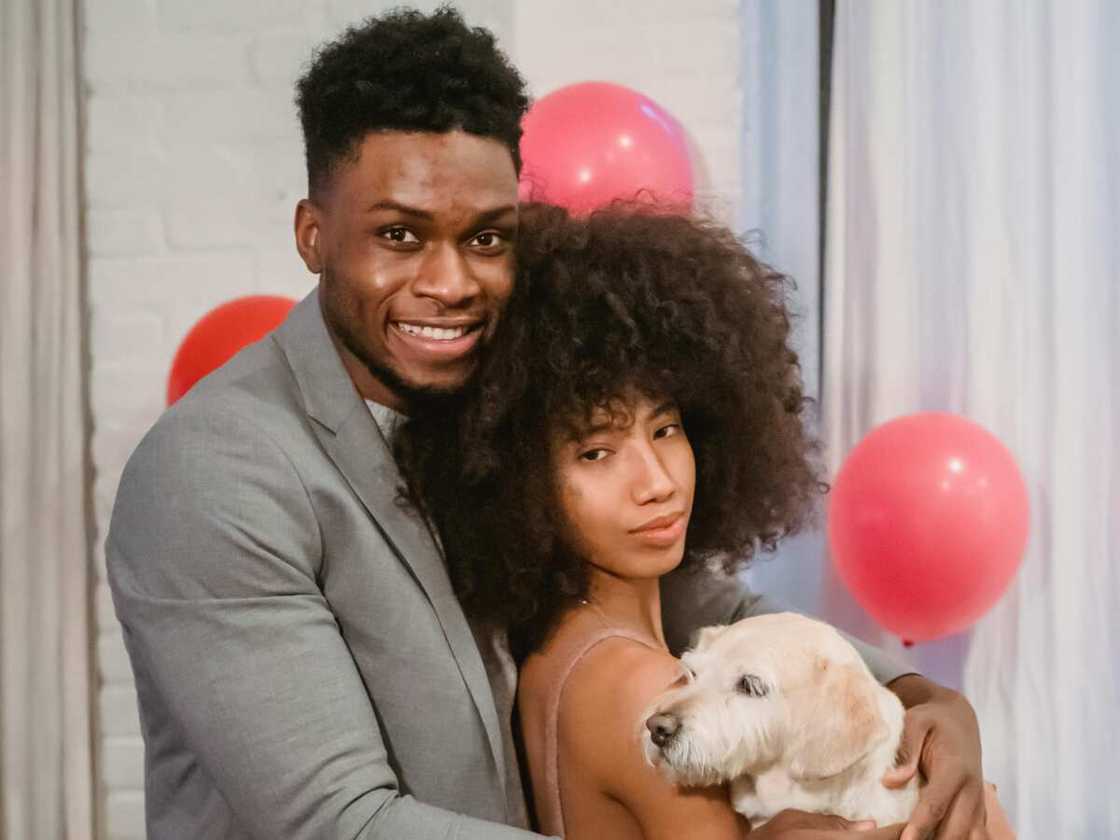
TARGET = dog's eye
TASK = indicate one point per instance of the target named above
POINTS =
(753, 686)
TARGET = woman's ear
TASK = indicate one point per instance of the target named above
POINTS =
(834, 721)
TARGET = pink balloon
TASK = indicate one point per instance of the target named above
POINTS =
(588, 144)
(928, 523)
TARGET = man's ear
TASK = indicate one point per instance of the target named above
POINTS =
(307, 235)
(834, 721)
(705, 636)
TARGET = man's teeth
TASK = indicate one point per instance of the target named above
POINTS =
(437, 333)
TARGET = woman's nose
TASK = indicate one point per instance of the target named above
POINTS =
(653, 483)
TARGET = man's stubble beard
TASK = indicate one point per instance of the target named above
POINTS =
(411, 394)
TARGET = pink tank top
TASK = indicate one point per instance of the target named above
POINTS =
(549, 807)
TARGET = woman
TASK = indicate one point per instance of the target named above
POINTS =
(639, 409)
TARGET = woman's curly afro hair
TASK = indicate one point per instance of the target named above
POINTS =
(407, 71)
(619, 302)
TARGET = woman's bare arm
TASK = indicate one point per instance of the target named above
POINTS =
(601, 728)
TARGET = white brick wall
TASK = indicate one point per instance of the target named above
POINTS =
(194, 164)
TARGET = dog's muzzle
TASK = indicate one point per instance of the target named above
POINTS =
(663, 728)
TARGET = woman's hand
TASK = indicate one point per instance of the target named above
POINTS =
(940, 738)
(802, 825)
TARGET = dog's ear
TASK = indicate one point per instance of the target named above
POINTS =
(834, 721)
(705, 636)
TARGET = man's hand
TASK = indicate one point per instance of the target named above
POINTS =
(802, 825)
(941, 739)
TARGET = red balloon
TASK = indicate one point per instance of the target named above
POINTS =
(588, 144)
(928, 523)
(219, 334)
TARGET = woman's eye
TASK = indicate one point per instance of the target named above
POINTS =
(399, 235)
(668, 430)
(593, 455)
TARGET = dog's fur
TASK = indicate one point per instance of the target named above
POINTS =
(783, 708)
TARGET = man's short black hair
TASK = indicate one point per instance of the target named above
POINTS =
(407, 71)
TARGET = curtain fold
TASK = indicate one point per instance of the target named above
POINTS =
(45, 740)
(971, 266)
(780, 221)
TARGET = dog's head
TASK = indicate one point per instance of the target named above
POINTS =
(772, 690)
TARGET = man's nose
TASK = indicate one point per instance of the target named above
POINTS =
(662, 728)
(446, 276)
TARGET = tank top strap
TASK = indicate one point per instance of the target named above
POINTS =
(553, 820)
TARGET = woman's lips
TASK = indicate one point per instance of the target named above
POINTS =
(663, 531)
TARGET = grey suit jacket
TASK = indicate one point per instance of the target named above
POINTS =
(303, 667)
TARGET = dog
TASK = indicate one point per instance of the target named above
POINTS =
(784, 709)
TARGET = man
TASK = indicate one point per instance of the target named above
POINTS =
(304, 669)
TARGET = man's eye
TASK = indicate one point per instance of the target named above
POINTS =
(593, 455)
(668, 430)
(400, 235)
(488, 240)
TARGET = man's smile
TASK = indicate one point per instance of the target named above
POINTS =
(438, 330)
(435, 342)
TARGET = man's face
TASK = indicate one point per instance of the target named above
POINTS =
(413, 242)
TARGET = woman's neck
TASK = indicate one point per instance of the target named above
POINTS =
(634, 604)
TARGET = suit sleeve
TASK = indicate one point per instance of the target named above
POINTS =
(212, 555)
(692, 599)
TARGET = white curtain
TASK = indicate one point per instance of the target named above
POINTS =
(972, 265)
(45, 755)
(780, 219)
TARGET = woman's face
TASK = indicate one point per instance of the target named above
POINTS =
(625, 488)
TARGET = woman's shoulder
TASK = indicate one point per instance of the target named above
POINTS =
(589, 663)
(601, 737)
(622, 672)
(606, 695)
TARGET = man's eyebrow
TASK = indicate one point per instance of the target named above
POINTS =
(485, 217)
(389, 204)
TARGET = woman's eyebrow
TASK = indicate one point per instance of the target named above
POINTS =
(580, 435)
(667, 407)
(597, 423)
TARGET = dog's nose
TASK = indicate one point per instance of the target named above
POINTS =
(662, 728)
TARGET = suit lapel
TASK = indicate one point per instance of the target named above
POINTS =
(351, 438)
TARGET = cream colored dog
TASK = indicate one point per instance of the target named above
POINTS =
(784, 709)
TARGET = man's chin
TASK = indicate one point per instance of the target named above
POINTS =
(418, 394)
(445, 381)
(418, 389)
